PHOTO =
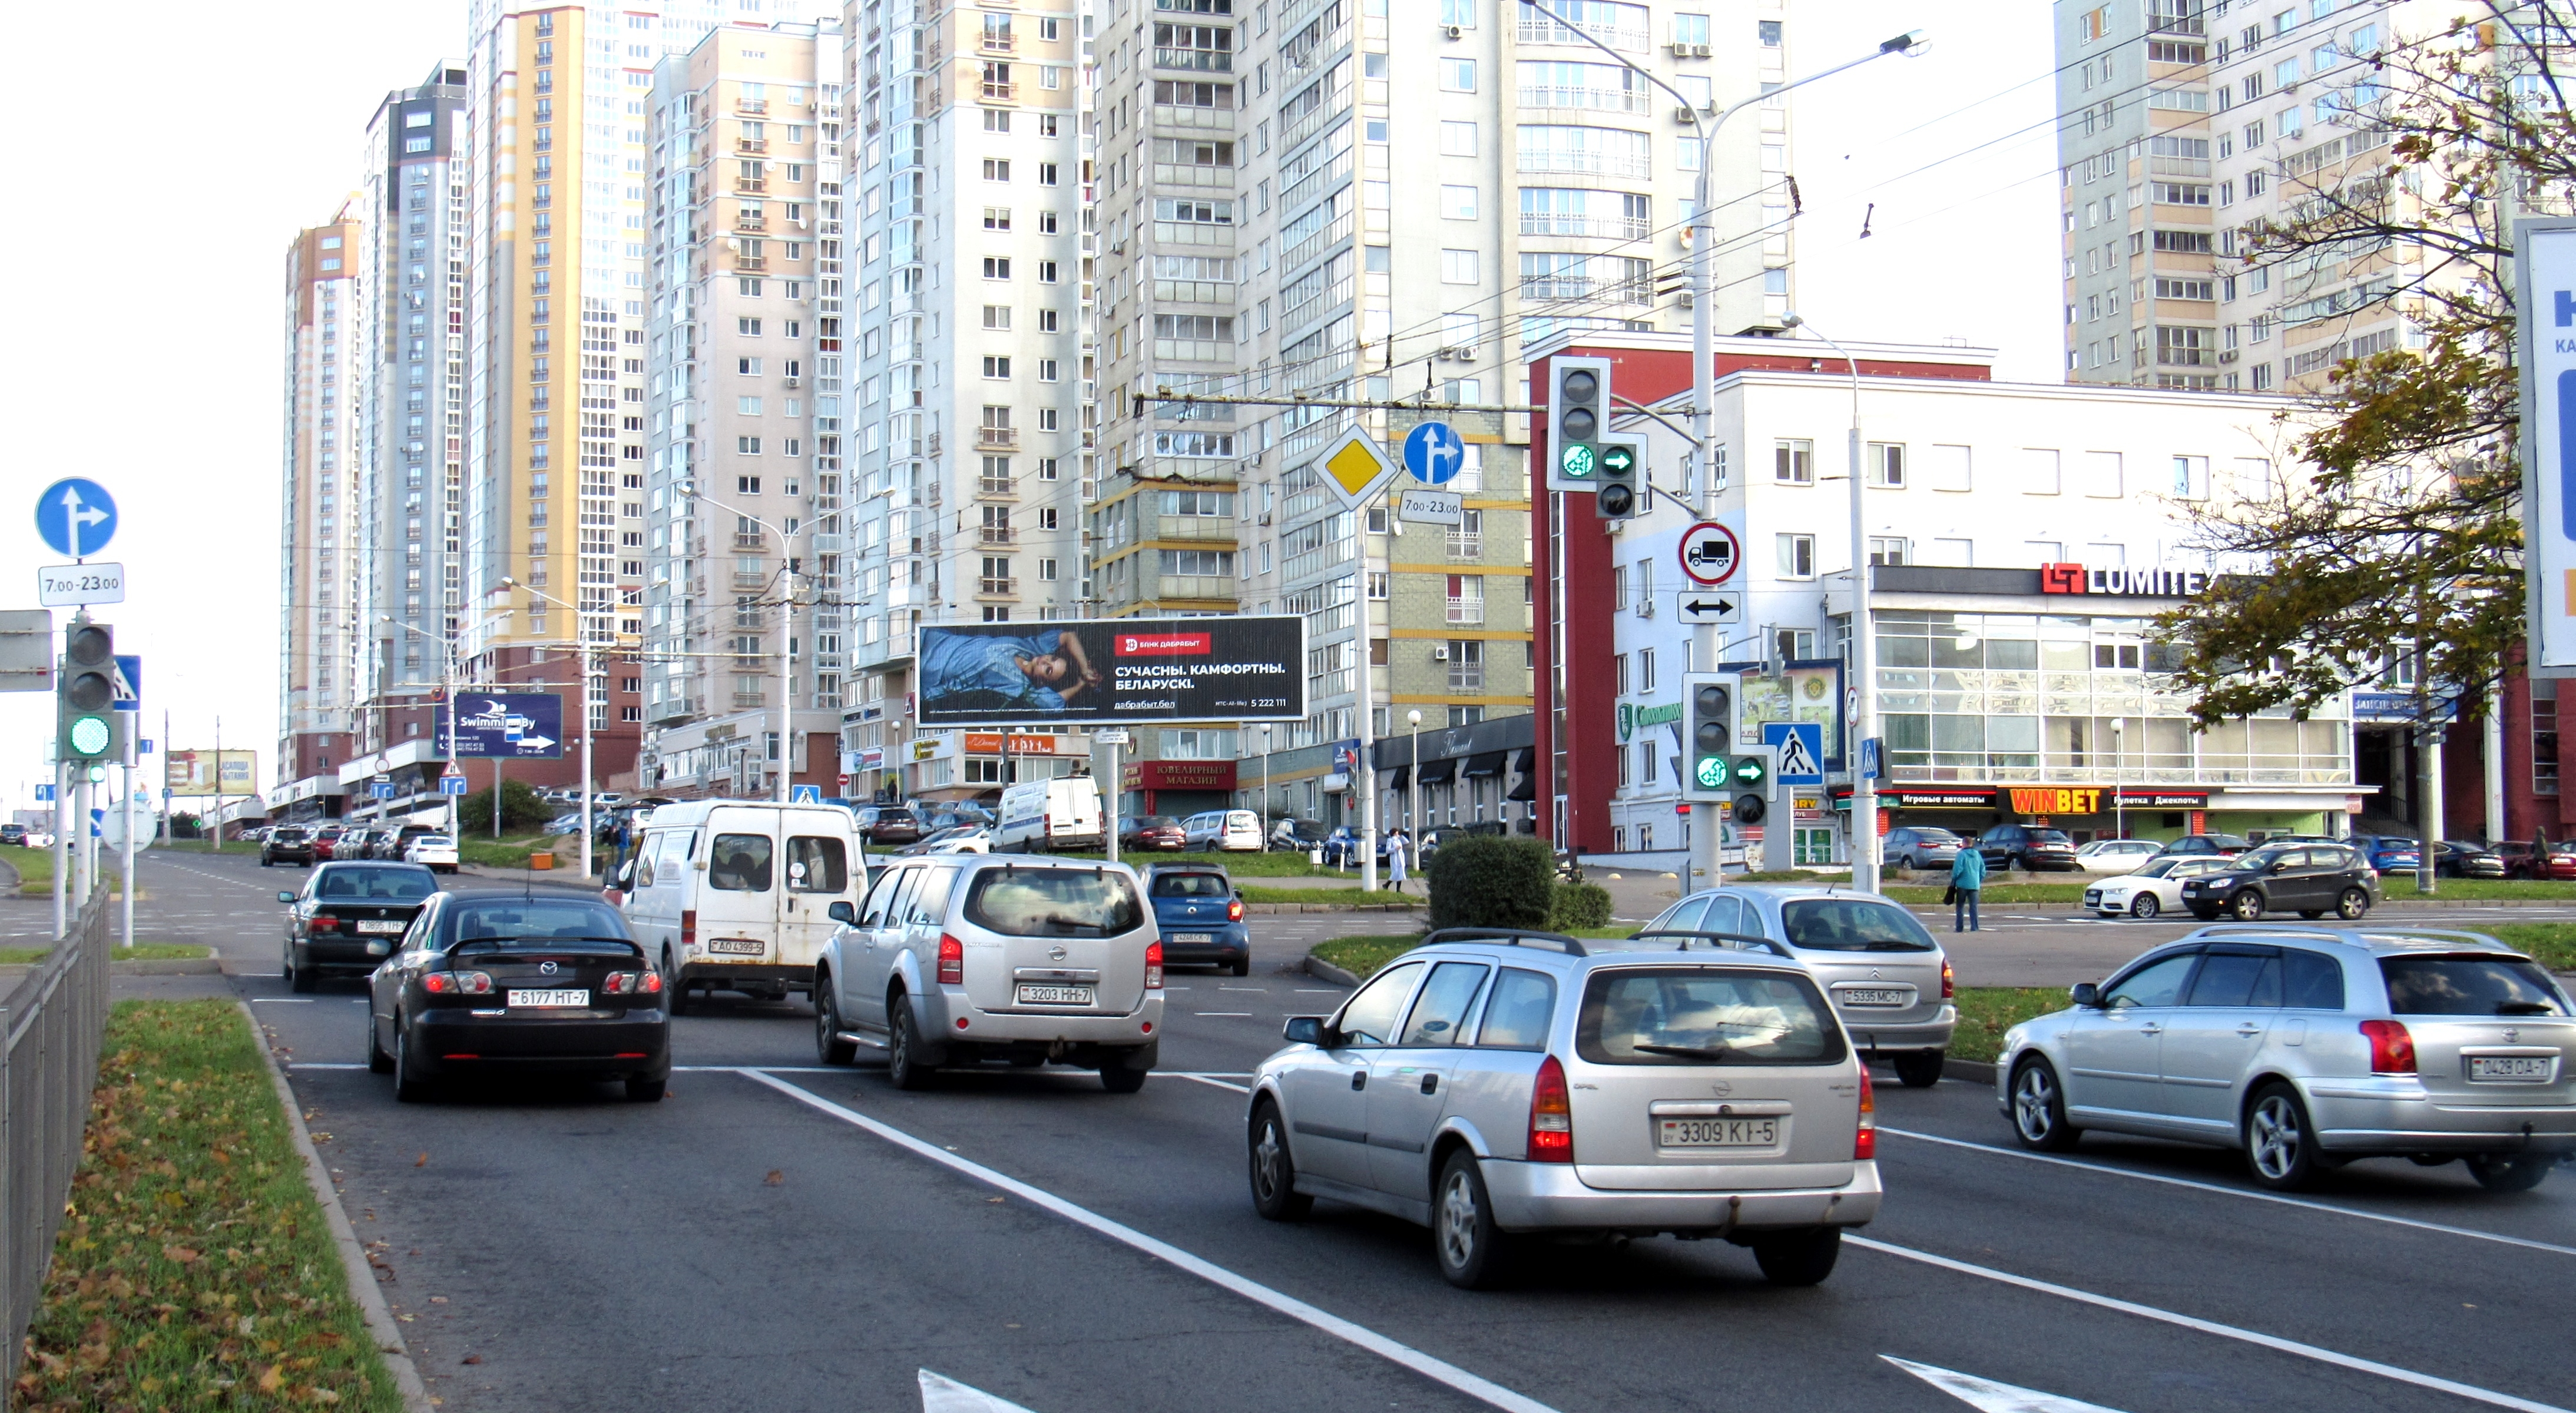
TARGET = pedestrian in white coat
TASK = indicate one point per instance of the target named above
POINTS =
(1396, 846)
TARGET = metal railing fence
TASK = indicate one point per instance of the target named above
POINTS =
(53, 1022)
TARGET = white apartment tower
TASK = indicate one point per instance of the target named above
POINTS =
(321, 581)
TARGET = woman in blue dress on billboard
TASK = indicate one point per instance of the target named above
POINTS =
(967, 670)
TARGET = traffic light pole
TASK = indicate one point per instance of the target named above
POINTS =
(125, 921)
(62, 849)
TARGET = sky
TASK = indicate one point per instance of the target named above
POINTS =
(146, 349)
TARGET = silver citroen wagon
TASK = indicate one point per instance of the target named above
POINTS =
(1494, 1085)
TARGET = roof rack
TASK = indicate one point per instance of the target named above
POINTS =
(1732, 941)
(1509, 937)
(2354, 935)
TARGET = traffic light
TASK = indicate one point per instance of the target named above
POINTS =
(1753, 778)
(85, 694)
(1708, 766)
(1623, 483)
(1578, 413)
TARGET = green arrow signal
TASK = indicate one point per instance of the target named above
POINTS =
(1577, 461)
(1618, 458)
(1749, 770)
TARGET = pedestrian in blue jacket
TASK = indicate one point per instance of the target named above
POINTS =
(1967, 876)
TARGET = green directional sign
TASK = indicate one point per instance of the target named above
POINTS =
(1712, 772)
(1578, 461)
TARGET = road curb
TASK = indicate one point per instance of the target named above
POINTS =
(1323, 970)
(1332, 907)
(353, 1257)
(169, 966)
(1972, 1071)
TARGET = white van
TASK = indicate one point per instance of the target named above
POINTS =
(734, 895)
(1041, 815)
(1222, 829)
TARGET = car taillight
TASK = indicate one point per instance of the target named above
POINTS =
(633, 983)
(689, 927)
(952, 961)
(1234, 911)
(1949, 980)
(457, 983)
(1153, 966)
(1865, 1140)
(326, 924)
(2392, 1050)
(1551, 1119)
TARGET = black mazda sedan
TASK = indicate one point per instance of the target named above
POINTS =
(494, 981)
(348, 918)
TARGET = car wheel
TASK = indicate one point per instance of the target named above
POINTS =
(298, 979)
(2312, 912)
(1919, 1069)
(2280, 1148)
(2519, 1172)
(903, 1049)
(2205, 914)
(2039, 1109)
(1463, 1234)
(2246, 905)
(1243, 967)
(1118, 1078)
(675, 984)
(266, 862)
(1274, 1169)
(646, 1091)
(378, 1062)
(409, 1086)
(1800, 1257)
(2352, 903)
(829, 1047)
(2146, 905)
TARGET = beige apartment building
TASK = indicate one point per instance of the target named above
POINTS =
(323, 507)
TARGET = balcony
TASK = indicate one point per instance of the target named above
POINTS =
(1559, 223)
(746, 539)
(1603, 100)
(999, 92)
(996, 588)
(996, 486)
(749, 699)
(751, 186)
(751, 105)
(742, 580)
(997, 438)
(751, 262)
(991, 43)
(749, 222)
(997, 535)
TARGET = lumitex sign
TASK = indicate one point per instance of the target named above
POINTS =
(2141, 582)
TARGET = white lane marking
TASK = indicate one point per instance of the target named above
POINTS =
(1232, 1015)
(942, 1394)
(2224, 1190)
(1262, 990)
(322, 1065)
(1319, 991)
(2211, 1327)
(1992, 1397)
(1438, 1370)
(1215, 1083)
(281, 1000)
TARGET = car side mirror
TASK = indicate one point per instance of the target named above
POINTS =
(2280, 866)
(2085, 993)
(842, 913)
(285, 897)
(1303, 1030)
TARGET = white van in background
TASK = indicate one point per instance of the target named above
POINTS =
(734, 895)
(1043, 815)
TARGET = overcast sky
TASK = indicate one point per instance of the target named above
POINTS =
(146, 344)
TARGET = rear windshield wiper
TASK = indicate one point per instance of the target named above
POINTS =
(1688, 1052)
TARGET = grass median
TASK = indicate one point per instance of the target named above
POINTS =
(195, 1267)
(1254, 893)
(139, 952)
(35, 867)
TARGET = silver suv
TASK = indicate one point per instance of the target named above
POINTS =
(2307, 1047)
(955, 960)
(1889, 980)
(1489, 1084)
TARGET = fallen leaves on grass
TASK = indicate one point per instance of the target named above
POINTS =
(776, 1178)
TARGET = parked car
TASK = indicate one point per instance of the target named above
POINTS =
(2460, 858)
(1045, 816)
(2153, 889)
(367, 843)
(2207, 845)
(932, 821)
(1577, 1049)
(492, 981)
(2032, 847)
(435, 852)
(346, 920)
(1230, 830)
(735, 895)
(1433, 839)
(326, 841)
(1200, 914)
(40, 839)
(2307, 1047)
(1342, 847)
(958, 839)
(1153, 831)
(958, 961)
(1919, 846)
(2308, 879)
(1889, 981)
(564, 824)
(2388, 853)
(13, 835)
(1300, 835)
(2521, 860)
(2116, 855)
(888, 824)
(286, 843)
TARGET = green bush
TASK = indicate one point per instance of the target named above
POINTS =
(521, 810)
(1488, 880)
(1579, 905)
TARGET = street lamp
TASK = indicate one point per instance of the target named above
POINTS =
(589, 785)
(1265, 785)
(1864, 657)
(447, 744)
(2119, 806)
(1413, 771)
(786, 634)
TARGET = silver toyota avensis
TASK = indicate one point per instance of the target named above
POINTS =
(2307, 1047)
(1494, 1084)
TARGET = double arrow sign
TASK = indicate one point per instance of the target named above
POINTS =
(1708, 606)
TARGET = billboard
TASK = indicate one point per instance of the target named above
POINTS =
(508, 725)
(2545, 261)
(194, 773)
(1114, 671)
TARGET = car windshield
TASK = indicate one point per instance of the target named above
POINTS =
(1053, 902)
(2157, 868)
(1853, 925)
(2047, 836)
(1936, 836)
(408, 885)
(1191, 885)
(2469, 986)
(2263, 858)
(285, 836)
(2393, 842)
(1676, 1015)
(531, 919)
(1157, 821)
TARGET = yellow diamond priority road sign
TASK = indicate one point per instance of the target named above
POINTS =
(1356, 468)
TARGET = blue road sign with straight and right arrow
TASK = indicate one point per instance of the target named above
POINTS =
(76, 517)
(1434, 453)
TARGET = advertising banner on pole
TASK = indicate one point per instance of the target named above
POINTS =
(508, 725)
(1113, 671)
(194, 773)
(2545, 293)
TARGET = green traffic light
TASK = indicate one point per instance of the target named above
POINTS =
(1749, 770)
(90, 735)
(1618, 459)
(1577, 461)
(1711, 772)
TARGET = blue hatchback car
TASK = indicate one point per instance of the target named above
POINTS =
(1200, 917)
(2388, 853)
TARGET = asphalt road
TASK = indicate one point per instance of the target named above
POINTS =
(780, 1237)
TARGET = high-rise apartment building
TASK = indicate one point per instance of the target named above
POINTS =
(2135, 186)
(320, 586)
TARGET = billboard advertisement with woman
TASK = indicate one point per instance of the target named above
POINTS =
(1112, 671)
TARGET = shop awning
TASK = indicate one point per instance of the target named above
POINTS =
(1397, 777)
(1438, 772)
(1525, 765)
(1485, 763)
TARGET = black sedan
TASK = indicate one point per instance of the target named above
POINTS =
(2461, 859)
(494, 981)
(287, 843)
(348, 918)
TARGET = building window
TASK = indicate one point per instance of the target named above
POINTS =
(1793, 463)
(1797, 556)
(1887, 550)
(1466, 665)
(1887, 465)
(1466, 599)
(2544, 737)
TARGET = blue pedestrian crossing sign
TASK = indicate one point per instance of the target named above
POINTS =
(76, 517)
(1802, 750)
(804, 794)
(1434, 453)
(129, 682)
